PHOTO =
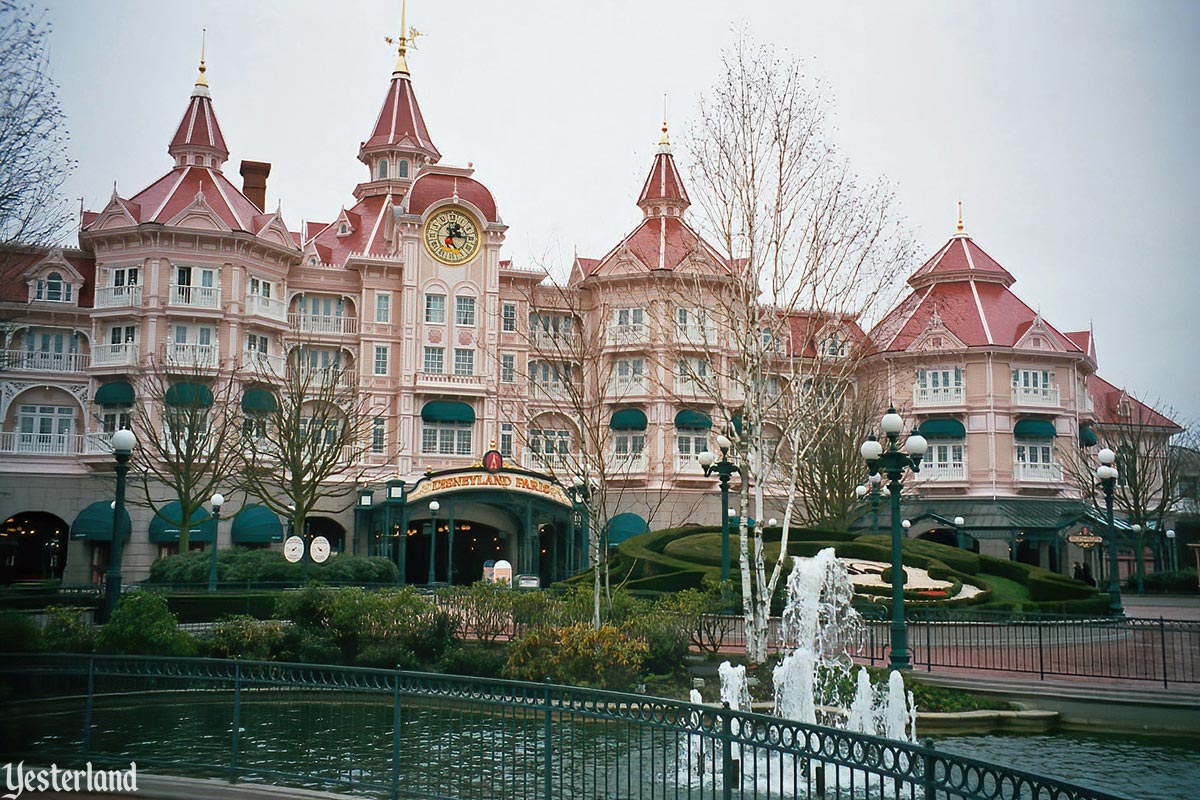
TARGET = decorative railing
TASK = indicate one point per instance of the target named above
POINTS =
(1036, 473)
(956, 471)
(270, 307)
(937, 396)
(626, 464)
(551, 389)
(195, 296)
(263, 363)
(202, 356)
(314, 378)
(115, 355)
(631, 384)
(41, 444)
(314, 323)
(629, 334)
(386, 733)
(118, 296)
(553, 342)
(688, 386)
(688, 465)
(696, 335)
(44, 361)
(449, 380)
(1035, 396)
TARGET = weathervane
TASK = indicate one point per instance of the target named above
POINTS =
(408, 38)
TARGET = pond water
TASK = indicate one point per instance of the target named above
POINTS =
(1146, 768)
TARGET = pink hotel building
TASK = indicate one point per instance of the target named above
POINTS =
(198, 273)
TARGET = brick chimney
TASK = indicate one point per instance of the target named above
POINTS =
(254, 182)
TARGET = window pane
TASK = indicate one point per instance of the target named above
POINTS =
(435, 308)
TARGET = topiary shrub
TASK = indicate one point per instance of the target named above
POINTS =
(245, 637)
(19, 633)
(1047, 586)
(580, 655)
(142, 625)
(66, 631)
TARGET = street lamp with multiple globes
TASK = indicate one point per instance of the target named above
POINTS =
(217, 500)
(123, 442)
(892, 464)
(876, 491)
(1106, 475)
(724, 469)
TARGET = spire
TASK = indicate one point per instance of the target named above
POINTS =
(960, 231)
(198, 140)
(663, 194)
(407, 36)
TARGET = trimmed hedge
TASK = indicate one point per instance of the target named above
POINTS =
(237, 565)
(963, 561)
(211, 607)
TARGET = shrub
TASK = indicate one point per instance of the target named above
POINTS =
(66, 631)
(203, 607)
(485, 610)
(238, 565)
(1047, 586)
(474, 660)
(1183, 581)
(245, 637)
(142, 625)
(580, 655)
(307, 646)
(1013, 570)
(19, 633)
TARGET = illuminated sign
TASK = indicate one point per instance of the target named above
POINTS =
(522, 484)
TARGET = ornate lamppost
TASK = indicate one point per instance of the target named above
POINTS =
(892, 464)
(1106, 475)
(123, 442)
(724, 469)
(218, 500)
(876, 491)
(434, 506)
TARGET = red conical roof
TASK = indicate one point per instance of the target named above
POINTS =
(663, 185)
(199, 130)
(400, 123)
(961, 259)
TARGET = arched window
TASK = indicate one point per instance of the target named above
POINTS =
(53, 288)
(382, 171)
(403, 169)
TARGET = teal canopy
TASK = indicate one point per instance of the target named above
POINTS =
(256, 524)
(95, 523)
(202, 527)
(118, 394)
(687, 418)
(945, 428)
(447, 411)
(1034, 429)
(189, 394)
(628, 419)
(1087, 437)
(258, 401)
(622, 526)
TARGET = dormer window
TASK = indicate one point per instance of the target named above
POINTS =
(381, 172)
(54, 289)
(343, 229)
(402, 169)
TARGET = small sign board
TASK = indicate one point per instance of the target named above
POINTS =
(1085, 540)
(502, 572)
(319, 549)
(489, 571)
(293, 549)
(529, 582)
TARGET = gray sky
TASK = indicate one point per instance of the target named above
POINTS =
(1067, 128)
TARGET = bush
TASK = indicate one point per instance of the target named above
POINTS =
(66, 631)
(473, 660)
(19, 633)
(238, 565)
(1047, 586)
(1182, 581)
(196, 607)
(579, 655)
(142, 625)
(484, 610)
(246, 638)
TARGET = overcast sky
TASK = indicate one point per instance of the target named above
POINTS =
(1068, 129)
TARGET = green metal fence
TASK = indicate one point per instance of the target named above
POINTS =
(391, 734)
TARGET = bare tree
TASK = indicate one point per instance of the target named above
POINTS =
(306, 443)
(811, 249)
(184, 420)
(33, 141)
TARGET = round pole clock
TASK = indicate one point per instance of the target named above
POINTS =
(452, 236)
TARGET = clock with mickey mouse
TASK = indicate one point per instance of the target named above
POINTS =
(452, 236)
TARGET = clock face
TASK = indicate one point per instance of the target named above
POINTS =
(320, 549)
(452, 236)
(293, 549)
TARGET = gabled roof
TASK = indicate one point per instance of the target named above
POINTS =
(1114, 406)
(162, 200)
(17, 263)
(807, 328)
(366, 237)
(400, 123)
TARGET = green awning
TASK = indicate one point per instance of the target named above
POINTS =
(189, 394)
(687, 418)
(256, 525)
(1087, 437)
(1034, 429)
(628, 419)
(164, 531)
(447, 411)
(118, 394)
(258, 401)
(622, 526)
(943, 428)
(95, 523)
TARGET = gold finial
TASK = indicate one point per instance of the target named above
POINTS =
(960, 222)
(408, 38)
(200, 80)
(664, 139)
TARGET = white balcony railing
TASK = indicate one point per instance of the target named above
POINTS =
(115, 355)
(690, 387)
(97, 443)
(321, 323)
(629, 334)
(118, 296)
(551, 342)
(263, 363)
(1037, 473)
(1035, 396)
(553, 390)
(316, 377)
(937, 395)
(696, 335)
(44, 361)
(688, 465)
(269, 307)
(547, 462)
(955, 471)
(195, 296)
(450, 381)
(626, 464)
(41, 444)
(203, 356)
(630, 384)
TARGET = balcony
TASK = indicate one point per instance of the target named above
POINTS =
(690, 387)
(97, 443)
(1035, 396)
(195, 356)
(629, 334)
(954, 471)
(44, 361)
(696, 335)
(268, 307)
(687, 465)
(262, 363)
(557, 463)
(628, 385)
(551, 390)
(448, 381)
(551, 342)
(116, 355)
(41, 444)
(317, 377)
(1025, 472)
(118, 297)
(323, 324)
(620, 464)
(938, 396)
(195, 296)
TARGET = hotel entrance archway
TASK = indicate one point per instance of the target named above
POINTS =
(33, 546)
